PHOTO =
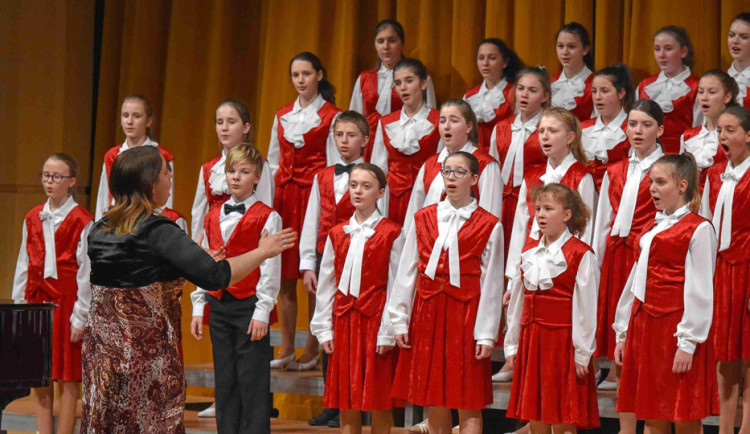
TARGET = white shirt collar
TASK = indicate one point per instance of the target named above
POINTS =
(339, 160)
(742, 77)
(371, 221)
(467, 147)
(250, 201)
(562, 169)
(62, 212)
(740, 170)
(614, 125)
(533, 122)
(650, 159)
(556, 245)
(677, 78)
(311, 108)
(583, 74)
(421, 114)
(124, 147)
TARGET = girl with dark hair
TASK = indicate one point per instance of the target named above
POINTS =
(552, 317)
(726, 201)
(53, 266)
(132, 371)
(136, 117)
(604, 139)
(664, 313)
(234, 126)
(494, 99)
(302, 144)
(571, 88)
(716, 91)
(445, 301)
(624, 209)
(675, 89)
(738, 41)
(374, 95)
(407, 137)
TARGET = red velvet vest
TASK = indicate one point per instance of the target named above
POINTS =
(644, 212)
(503, 111)
(244, 238)
(214, 201)
(532, 151)
(719, 157)
(739, 249)
(432, 169)
(572, 178)
(619, 152)
(172, 214)
(681, 117)
(584, 103)
(67, 237)
(472, 240)
(331, 212)
(375, 264)
(113, 152)
(402, 168)
(301, 165)
(665, 279)
(368, 84)
(554, 307)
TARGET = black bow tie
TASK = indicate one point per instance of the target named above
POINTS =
(228, 209)
(340, 168)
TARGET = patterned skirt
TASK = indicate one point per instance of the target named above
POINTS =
(133, 377)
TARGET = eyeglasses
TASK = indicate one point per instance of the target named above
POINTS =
(458, 173)
(55, 178)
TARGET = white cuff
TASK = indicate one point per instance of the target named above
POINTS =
(324, 336)
(510, 350)
(400, 329)
(307, 264)
(686, 345)
(621, 337)
(77, 323)
(582, 358)
(387, 341)
(486, 342)
(261, 315)
(198, 308)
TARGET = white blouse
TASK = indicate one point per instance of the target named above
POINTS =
(269, 283)
(599, 139)
(404, 135)
(520, 132)
(385, 86)
(722, 215)
(321, 324)
(700, 264)
(565, 90)
(743, 81)
(520, 231)
(51, 222)
(490, 188)
(540, 266)
(491, 278)
(664, 90)
(703, 146)
(486, 101)
(103, 202)
(217, 181)
(603, 223)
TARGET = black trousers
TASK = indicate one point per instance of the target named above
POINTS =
(241, 368)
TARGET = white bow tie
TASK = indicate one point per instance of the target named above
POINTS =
(50, 252)
(450, 237)
(565, 91)
(723, 207)
(297, 123)
(665, 90)
(217, 179)
(601, 141)
(405, 137)
(703, 147)
(485, 102)
(663, 222)
(540, 266)
(351, 277)
(385, 89)
(514, 159)
(624, 219)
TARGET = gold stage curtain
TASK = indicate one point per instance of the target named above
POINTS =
(187, 56)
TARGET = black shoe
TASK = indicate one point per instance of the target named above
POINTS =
(336, 421)
(324, 417)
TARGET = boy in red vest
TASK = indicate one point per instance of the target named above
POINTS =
(329, 205)
(240, 314)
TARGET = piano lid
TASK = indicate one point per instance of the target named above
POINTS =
(8, 304)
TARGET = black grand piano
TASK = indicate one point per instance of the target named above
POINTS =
(25, 349)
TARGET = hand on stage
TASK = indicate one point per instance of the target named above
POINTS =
(619, 353)
(272, 245)
(75, 335)
(506, 298)
(310, 280)
(682, 362)
(196, 327)
(581, 370)
(482, 351)
(257, 330)
(510, 362)
(403, 340)
(382, 349)
(327, 346)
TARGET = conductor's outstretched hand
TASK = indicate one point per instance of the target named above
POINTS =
(272, 245)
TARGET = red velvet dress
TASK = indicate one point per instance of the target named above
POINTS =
(731, 328)
(584, 103)
(331, 212)
(532, 157)
(358, 378)
(619, 152)
(368, 84)
(503, 111)
(619, 255)
(293, 180)
(402, 168)
(63, 291)
(680, 119)
(440, 369)
(648, 386)
(545, 386)
(718, 157)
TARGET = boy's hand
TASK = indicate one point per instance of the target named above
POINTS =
(196, 327)
(257, 330)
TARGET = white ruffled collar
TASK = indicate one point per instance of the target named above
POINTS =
(543, 263)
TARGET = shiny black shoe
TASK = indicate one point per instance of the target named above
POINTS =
(324, 417)
(336, 421)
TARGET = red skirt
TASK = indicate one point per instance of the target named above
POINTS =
(290, 201)
(66, 356)
(648, 386)
(508, 215)
(397, 206)
(358, 378)
(548, 390)
(731, 327)
(440, 369)
(619, 258)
